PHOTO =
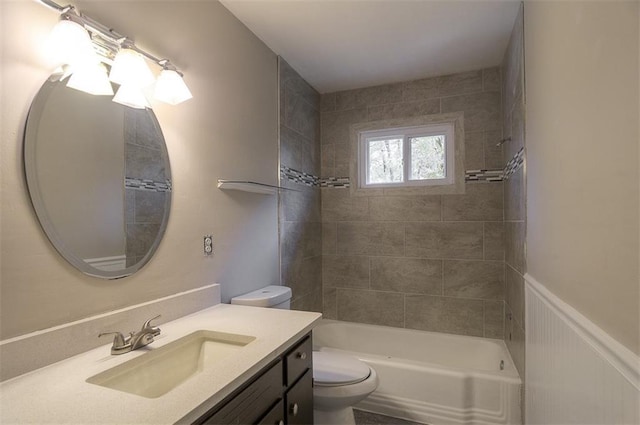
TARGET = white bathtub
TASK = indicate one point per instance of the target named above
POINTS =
(430, 377)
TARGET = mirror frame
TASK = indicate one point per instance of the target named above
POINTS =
(31, 175)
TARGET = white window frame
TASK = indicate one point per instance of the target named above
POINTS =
(406, 133)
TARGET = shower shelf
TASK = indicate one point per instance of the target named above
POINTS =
(249, 186)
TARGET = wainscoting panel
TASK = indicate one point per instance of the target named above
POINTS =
(576, 373)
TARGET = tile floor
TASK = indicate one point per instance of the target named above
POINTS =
(368, 418)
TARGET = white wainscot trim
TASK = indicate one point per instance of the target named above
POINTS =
(575, 371)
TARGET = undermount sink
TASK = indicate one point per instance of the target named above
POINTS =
(159, 371)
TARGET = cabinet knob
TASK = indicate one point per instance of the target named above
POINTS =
(294, 409)
(302, 355)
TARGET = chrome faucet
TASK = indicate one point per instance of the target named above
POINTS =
(135, 340)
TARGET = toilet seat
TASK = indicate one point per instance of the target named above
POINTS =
(334, 369)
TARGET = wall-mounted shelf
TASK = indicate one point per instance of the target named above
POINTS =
(249, 186)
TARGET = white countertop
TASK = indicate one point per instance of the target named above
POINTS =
(59, 394)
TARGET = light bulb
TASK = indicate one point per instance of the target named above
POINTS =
(171, 88)
(91, 78)
(129, 68)
(70, 44)
(132, 96)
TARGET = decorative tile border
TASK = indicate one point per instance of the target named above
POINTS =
(483, 175)
(299, 177)
(344, 182)
(335, 182)
(514, 163)
(150, 185)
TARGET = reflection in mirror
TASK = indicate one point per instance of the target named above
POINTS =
(99, 179)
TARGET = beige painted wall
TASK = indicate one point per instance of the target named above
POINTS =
(229, 130)
(582, 158)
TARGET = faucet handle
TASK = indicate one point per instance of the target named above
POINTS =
(118, 339)
(147, 326)
(120, 344)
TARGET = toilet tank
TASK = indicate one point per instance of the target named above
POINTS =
(272, 296)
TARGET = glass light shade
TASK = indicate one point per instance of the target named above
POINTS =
(91, 78)
(132, 96)
(70, 44)
(130, 69)
(171, 88)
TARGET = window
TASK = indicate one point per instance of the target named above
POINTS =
(409, 156)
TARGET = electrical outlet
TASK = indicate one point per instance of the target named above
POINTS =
(208, 245)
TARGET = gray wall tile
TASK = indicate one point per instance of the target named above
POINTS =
(443, 314)
(456, 240)
(405, 208)
(345, 271)
(514, 245)
(302, 275)
(481, 110)
(374, 307)
(301, 238)
(474, 279)
(299, 213)
(474, 150)
(329, 303)
(311, 301)
(464, 82)
(494, 319)
(515, 339)
(409, 275)
(371, 238)
(491, 79)
(300, 204)
(494, 241)
(369, 96)
(514, 194)
(481, 202)
(338, 205)
(328, 161)
(329, 238)
(335, 125)
(300, 115)
(514, 294)
(404, 110)
(492, 153)
(398, 234)
(328, 102)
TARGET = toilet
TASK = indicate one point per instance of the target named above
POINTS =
(339, 381)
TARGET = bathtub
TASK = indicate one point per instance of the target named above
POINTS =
(430, 377)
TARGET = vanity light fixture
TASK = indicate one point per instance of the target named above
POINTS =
(91, 78)
(170, 87)
(129, 68)
(132, 96)
(86, 45)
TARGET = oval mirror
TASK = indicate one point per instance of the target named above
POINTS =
(99, 179)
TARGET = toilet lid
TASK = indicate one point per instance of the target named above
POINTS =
(338, 369)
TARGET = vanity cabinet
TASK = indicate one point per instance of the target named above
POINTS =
(280, 394)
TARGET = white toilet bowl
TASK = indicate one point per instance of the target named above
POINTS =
(340, 381)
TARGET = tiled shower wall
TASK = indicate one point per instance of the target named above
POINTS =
(514, 195)
(429, 262)
(299, 210)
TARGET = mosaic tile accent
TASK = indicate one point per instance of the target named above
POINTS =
(335, 182)
(484, 175)
(150, 185)
(299, 177)
(313, 181)
(514, 163)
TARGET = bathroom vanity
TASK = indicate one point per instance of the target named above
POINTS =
(265, 378)
(281, 393)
